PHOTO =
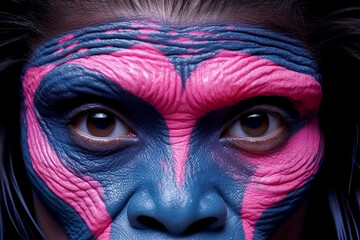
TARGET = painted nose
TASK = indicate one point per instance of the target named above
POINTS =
(177, 212)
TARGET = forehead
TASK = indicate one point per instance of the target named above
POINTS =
(183, 45)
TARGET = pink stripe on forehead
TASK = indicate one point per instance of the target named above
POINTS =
(66, 38)
(221, 81)
(84, 194)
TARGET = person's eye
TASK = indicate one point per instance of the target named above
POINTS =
(101, 124)
(255, 125)
(259, 130)
(100, 128)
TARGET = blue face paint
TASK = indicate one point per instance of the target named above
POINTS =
(185, 47)
(172, 165)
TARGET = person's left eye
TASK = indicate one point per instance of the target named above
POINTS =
(259, 130)
(255, 125)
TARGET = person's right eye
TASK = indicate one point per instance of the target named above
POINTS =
(97, 126)
(101, 124)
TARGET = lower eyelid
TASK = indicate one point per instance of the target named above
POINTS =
(94, 144)
(80, 135)
(260, 144)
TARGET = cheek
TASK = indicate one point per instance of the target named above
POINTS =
(280, 180)
(66, 194)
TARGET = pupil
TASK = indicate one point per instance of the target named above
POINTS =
(255, 121)
(255, 125)
(101, 124)
(101, 120)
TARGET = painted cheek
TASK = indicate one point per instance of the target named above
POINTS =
(279, 174)
(83, 194)
(221, 81)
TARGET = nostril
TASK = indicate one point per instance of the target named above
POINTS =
(188, 215)
(151, 223)
(205, 224)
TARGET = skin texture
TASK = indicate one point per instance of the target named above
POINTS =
(178, 164)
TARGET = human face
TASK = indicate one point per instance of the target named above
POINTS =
(136, 129)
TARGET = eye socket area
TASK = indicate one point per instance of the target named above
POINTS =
(259, 130)
(100, 128)
(101, 124)
(255, 125)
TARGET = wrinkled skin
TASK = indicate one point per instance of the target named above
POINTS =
(136, 130)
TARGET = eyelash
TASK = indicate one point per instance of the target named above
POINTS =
(117, 138)
(267, 140)
(109, 130)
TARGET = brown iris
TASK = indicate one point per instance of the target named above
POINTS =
(100, 124)
(255, 124)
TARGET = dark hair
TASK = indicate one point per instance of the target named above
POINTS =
(330, 29)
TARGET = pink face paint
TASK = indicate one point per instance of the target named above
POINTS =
(172, 32)
(137, 24)
(220, 81)
(81, 50)
(66, 38)
(200, 33)
(181, 40)
(143, 36)
(59, 50)
(278, 175)
(82, 193)
(72, 45)
(111, 31)
(220, 74)
(149, 30)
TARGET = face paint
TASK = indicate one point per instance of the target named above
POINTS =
(172, 94)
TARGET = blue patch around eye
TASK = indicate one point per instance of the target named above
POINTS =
(124, 171)
(67, 217)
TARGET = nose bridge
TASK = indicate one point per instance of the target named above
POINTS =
(180, 129)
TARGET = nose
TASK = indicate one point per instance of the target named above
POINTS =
(177, 212)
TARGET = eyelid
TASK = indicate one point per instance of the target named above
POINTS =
(98, 144)
(263, 144)
(94, 107)
(288, 115)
